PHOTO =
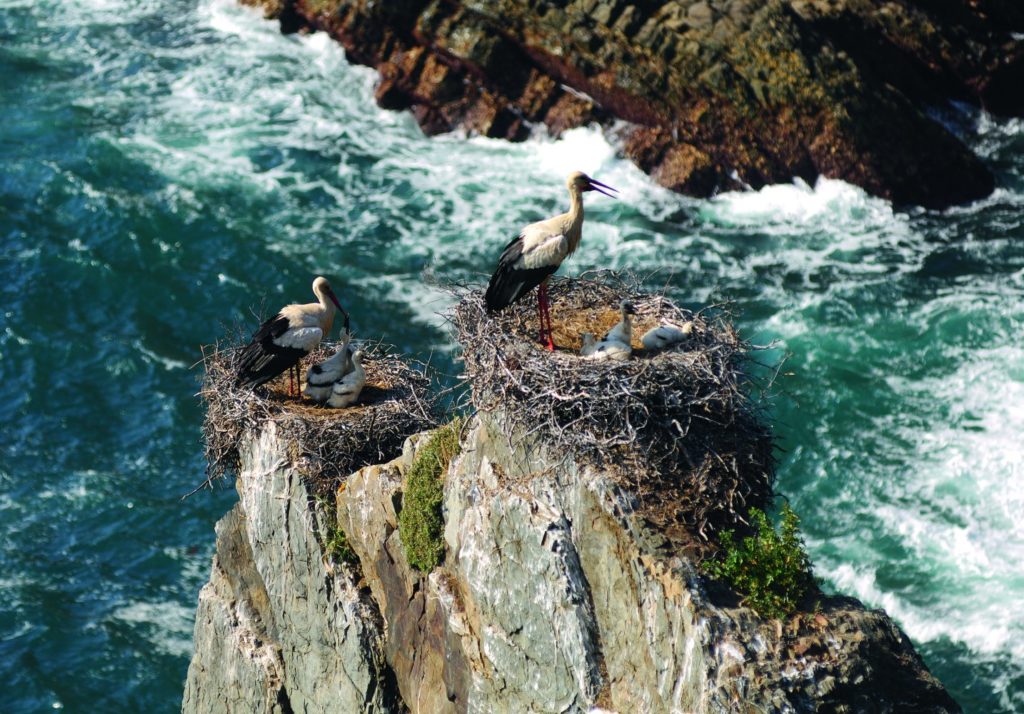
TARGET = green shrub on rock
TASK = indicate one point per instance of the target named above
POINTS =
(770, 568)
(421, 523)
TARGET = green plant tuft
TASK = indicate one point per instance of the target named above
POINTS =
(421, 523)
(770, 568)
(335, 542)
(337, 548)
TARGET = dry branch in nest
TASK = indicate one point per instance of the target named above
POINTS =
(329, 443)
(678, 427)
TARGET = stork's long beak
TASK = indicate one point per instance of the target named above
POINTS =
(599, 187)
(334, 299)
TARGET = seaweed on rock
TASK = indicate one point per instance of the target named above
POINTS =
(328, 443)
(678, 428)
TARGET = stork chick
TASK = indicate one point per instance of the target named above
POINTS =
(282, 341)
(605, 349)
(663, 336)
(589, 344)
(623, 331)
(345, 392)
(611, 350)
(320, 378)
(531, 257)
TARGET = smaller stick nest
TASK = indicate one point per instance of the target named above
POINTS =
(677, 427)
(329, 443)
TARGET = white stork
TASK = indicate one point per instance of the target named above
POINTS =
(283, 340)
(320, 378)
(346, 391)
(623, 331)
(658, 338)
(532, 256)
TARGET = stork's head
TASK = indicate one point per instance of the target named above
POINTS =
(579, 181)
(627, 308)
(322, 289)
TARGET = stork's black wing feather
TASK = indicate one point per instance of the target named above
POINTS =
(263, 359)
(510, 283)
(315, 378)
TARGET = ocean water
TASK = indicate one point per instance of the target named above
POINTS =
(166, 168)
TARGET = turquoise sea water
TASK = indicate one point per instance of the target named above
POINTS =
(165, 167)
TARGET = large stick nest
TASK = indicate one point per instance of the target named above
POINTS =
(329, 443)
(678, 428)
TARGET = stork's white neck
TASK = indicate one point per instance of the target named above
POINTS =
(325, 303)
(574, 229)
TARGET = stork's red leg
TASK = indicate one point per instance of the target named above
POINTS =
(546, 316)
(540, 312)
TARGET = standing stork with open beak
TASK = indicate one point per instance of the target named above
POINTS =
(282, 341)
(532, 256)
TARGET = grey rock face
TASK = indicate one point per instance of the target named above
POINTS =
(553, 597)
(425, 654)
(236, 668)
(283, 628)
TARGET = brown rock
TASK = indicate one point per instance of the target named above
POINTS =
(540, 93)
(432, 120)
(686, 169)
(388, 92)
(568, 112)
(438, 82)
(800, 87)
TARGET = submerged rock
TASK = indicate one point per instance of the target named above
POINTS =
(717, 94)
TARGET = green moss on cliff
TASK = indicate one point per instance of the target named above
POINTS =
(421, 522)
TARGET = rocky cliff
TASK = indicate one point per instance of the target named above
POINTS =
(553, 598)
(704, 94)
(558, 590)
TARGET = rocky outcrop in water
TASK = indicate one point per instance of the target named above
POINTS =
(540, 556)
(704, 94)
(554, 597)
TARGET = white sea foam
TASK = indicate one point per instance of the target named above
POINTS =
(384, 189)
(166, 362)
(946, 484)
(167, 625)
(954, 505)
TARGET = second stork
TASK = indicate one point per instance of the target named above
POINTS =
(283, 340)
(532, 256)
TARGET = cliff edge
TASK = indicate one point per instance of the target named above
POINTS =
(559, 589)
(704, 95)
